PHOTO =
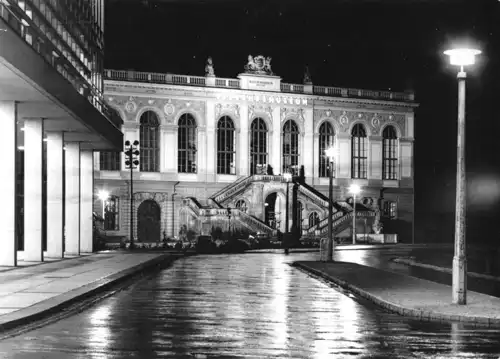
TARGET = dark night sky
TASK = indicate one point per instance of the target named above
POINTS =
(377, 45)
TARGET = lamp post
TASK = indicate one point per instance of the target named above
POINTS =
(330, 152)
(229, 219)
(460, 57)
(288, 177)
(355, 190)
(103, 196)
(131, 162)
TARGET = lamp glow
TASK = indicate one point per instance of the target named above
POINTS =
(462, 56)
(331, 152)
(354, 189)
(287, 176)
(103, 195)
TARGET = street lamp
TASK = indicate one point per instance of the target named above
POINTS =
(355, 190)
(288, 177)
(131, 162)
(103, 196)
(460, 57)
(330, 152)
(229, 218)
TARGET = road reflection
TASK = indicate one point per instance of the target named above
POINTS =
(246, 306)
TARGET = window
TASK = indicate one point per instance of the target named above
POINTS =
(225, 146)
(242, 205)
(149, 143)
(391, 209)
(111, 214)
(326, 134)
(186, 139)
(359, 152)
(258, 147)
(390, 157)
(291, 148)
(313, 219)
(109, 161)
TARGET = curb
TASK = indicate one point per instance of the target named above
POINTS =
(57, 304)
(423, 315)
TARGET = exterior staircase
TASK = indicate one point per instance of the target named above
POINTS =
(217, 203)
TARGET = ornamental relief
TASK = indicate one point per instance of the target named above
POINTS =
(158, 197)
(374, 121)
(297, 113)
(232, 109)
(253, 110)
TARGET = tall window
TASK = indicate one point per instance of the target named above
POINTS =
(225, 146)
(241, 205)
(313, 219)
(326, 134)
(109, 161)
(186, 140)
(390, 209)
(258, 147)
(390, 157)
(111, 214)
(149, 143)
(359, 152)
(291, 148)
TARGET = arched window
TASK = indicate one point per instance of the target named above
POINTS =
(149, 142)
(291, 148)
(326, 134)
(258, 147)
(389, 154)
(313, 219)
(225, 146)
(242, 205)
(359, 152)
(186, 142)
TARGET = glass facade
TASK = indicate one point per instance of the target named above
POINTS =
(68, 34)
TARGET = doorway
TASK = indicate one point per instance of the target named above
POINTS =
(148, 221)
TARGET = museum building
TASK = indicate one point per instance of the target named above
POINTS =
(215, 152)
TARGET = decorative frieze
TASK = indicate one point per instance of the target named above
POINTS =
(158, 197)
(254, 109)
(230, 108)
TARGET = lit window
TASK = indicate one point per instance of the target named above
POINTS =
(109, 161)
(390, 209)
(187, 146)
(313, 219)
(225, 146)
(326, 134)
(291, 148)
(258, 147)
(149, 143)
(390, 157)
(111, 214)
(359, 152)
(241, 205)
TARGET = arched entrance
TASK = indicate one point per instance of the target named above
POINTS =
(148, 221)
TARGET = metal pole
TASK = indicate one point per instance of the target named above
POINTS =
(460, 259)
(354, 220)
(329, 246)
(131, 199)
(286, 209)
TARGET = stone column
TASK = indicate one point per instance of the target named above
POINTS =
(170, 217)
(86, 201)
(210, 142)
(316, 158)
(33, 183)
(308, 147)
(8, 240)
(55, 178)
(344, 155)
(275, 142)
(72, 198)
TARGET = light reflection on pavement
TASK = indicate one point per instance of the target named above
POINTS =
(248, 306)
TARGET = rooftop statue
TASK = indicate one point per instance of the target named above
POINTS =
(209, 68)
(307, 76)
(259, 65)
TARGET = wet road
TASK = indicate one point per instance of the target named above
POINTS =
(247, 306)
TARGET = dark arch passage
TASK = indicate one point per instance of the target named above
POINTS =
(148, 221)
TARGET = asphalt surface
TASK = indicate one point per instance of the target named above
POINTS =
(248, 306)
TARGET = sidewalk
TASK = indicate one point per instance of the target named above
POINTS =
(405, 295)
(32, 292)
(351, 247)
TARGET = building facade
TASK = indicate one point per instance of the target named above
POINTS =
(208, 144)
(53, 118)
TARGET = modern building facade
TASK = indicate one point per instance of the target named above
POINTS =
(53, 118)
(208, 144)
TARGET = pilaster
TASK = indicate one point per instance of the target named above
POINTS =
(344, 155)
(244, 154)
(308, 147)
(375, 157)
(275, 141)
